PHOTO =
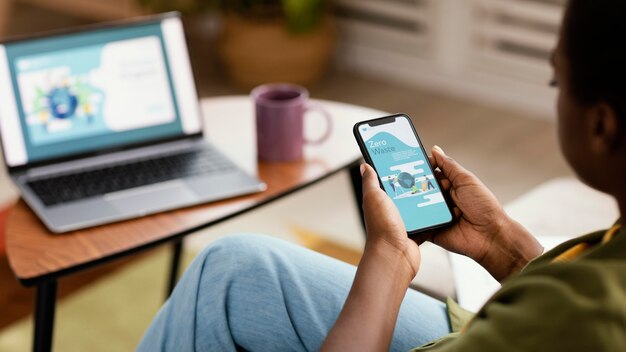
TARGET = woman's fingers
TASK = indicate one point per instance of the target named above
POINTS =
(382, 218)
(450, 168)
(369, 179)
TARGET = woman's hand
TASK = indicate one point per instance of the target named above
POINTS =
(391, 260)
(386, 233)
(483, 231)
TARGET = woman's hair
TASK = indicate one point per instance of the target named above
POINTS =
(593, 39)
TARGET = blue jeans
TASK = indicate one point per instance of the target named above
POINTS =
(258, 293)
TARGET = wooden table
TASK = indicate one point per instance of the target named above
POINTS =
(39, 258)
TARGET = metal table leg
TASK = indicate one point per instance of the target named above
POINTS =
(44, 316)
(177, 249)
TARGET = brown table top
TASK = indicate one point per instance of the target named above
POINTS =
(35, 254)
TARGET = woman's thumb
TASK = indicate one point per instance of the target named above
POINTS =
(370, 180)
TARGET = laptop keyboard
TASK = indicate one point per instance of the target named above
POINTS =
(117, 177)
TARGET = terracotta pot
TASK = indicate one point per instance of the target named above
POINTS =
(260, 52)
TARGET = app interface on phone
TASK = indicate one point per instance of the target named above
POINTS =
(405, 173)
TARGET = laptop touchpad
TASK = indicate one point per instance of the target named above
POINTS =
(148, 199)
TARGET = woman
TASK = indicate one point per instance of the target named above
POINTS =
(256, 293)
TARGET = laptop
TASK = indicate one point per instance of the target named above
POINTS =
(103, 124)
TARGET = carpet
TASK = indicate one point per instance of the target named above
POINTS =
(110, 315)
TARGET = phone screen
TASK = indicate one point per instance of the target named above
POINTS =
(404, 171)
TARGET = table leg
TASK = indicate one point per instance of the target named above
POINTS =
(357, 188)
(44, 315)
(177, 249)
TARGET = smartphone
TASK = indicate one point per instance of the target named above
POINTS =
(392, 147)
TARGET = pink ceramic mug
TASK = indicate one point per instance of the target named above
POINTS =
(280, 111)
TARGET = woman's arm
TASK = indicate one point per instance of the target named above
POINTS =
(368, 318)
(389, 263)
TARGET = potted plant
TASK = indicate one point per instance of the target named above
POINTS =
(267, 40)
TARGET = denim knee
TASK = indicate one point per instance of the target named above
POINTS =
(245, 244)
(240, 251)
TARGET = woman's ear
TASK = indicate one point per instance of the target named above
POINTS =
(603, 129)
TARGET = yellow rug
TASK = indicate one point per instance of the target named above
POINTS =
(321, 244)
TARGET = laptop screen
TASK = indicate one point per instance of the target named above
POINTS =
(105, 88)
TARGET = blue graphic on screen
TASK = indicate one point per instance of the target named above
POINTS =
(62, 95)
(405, 173)
(88, 91)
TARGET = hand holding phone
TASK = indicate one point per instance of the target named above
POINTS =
(392, 147)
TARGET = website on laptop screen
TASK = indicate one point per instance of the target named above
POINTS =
(89, 91)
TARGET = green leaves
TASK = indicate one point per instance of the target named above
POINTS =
(303, 15)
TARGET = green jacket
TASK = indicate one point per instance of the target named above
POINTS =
(573, 306)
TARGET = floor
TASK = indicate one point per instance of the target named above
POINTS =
(511, 153)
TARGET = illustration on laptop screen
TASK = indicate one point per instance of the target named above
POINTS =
(78, 93)
(88, 91)
(405, 174)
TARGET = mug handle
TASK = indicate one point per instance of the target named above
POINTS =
(329, 123)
